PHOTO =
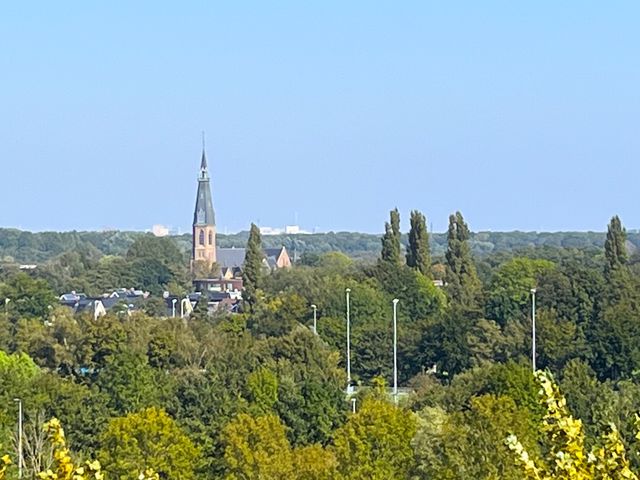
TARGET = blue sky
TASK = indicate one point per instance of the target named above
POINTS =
(522, 116)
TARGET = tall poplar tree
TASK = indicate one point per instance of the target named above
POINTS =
(615, 249)
(418, 254)
(391, 239)
(617, 312)
(252, 268)
(619, 281)
(463, 285)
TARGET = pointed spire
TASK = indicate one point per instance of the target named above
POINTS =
(203, 162)
(204, 213)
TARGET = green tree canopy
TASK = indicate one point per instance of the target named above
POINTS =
(147, 439)
(252, 268)
(391, 239)
(28, 297)
(615, 249)
(510, 290)
(462, 283)
(257, 448)
(375, 443)
(418, 252)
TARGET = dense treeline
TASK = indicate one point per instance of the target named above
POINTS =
(258, 395)
(27, 247)
(150, 263)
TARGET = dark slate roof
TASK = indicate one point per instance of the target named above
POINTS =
(217, 296)
(85, 304)
(234, 257)
(204, 214)
(272, 255)
(230, 257)
(111, 302)
(273, 252)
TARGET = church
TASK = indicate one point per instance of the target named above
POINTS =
(206, 255)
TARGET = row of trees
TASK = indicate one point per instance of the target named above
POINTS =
(42, 247)
(150, 263)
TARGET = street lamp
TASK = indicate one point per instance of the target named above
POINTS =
(173, 304)
(533, 329)
(185, 305)
(20, 459)
(348, 291)
(315, 319)
(6, 308)
(353, 405)
(395, 350)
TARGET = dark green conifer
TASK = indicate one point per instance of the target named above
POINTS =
(617, 274)
(615, 249)
(463, 285)
(418, 254)
(252, 268)
(391, 239)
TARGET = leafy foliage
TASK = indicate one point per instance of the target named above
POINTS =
(418, 253)
(252, 268)
(463, 285)
(147, 439)
(259, 395)
(567, 457)
(376, 443)
(391, 240)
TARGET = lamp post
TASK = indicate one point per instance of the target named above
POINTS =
(533, 329)
(20, 459)
(348, 291)
(185, 305)
(315, 319)
(6, 308)
(395, 350)
(173, 307)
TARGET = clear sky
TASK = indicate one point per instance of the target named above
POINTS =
(522, 115)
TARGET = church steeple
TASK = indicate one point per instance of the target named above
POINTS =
(204, 220)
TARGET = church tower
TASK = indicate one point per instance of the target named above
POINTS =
(204, 221)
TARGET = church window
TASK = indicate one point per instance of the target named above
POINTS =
(210, 238)
(201, 237)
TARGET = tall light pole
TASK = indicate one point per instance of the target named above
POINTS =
(185, 305)
(6, 308)
(20, 459)
(395, 350)
(315, 319)
(348, 291)
(173, 307)
(533, 329)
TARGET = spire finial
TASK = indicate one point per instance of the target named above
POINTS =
(203, 162)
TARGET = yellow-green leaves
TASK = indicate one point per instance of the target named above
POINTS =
(257, 447)
(63, 467)
(375, 443)
(5, 461)
(567, 458)
(147, 439)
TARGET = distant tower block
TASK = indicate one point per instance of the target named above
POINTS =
(204, 220)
